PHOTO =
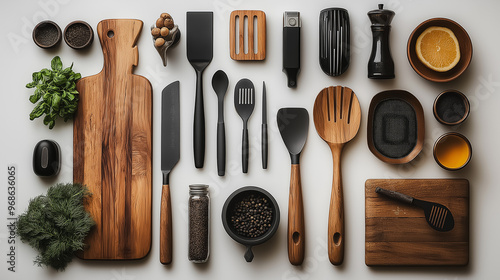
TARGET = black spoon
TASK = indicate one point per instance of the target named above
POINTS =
(220, 83)
(438, 216)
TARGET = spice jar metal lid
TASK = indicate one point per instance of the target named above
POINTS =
(198, 189)
(381, 17)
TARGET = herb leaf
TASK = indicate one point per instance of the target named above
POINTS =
(55, 92)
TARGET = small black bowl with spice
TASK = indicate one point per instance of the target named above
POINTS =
(451, 107)
(250, 216)
(78, 34)
(47, 34)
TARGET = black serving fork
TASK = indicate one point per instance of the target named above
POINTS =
(244, 102)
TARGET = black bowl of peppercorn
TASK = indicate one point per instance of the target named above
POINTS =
(250, 216)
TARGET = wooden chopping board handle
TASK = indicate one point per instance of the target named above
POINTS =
(120, 36)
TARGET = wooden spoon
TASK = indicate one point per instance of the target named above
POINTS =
(337, 116)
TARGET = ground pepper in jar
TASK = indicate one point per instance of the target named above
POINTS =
(199, 223)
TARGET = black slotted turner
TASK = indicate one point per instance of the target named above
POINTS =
(244, 102)
(438, 216)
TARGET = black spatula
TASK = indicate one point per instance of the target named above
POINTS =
(293, 124)
(438, 216)
(199, 26)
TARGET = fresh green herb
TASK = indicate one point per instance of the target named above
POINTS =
(55, 93)
(56, 224)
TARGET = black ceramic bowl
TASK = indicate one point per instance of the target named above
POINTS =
(451, 107)
(228, 209)
(47, 34)
(78, 34)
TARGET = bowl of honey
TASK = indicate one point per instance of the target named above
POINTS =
(452, 151)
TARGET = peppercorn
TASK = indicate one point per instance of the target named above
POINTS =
(251, 217)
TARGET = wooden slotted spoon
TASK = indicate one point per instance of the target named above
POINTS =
(337, 116)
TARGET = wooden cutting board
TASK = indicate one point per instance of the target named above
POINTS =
(398, 234)
(112, 147)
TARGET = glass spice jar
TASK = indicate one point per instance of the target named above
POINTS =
(199, 223)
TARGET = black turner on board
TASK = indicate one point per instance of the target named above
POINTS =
(438, 216)
(199, 42)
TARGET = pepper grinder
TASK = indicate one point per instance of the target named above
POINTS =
(381, 65)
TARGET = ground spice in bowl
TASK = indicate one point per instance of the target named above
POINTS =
(78, 35)
(46, 34)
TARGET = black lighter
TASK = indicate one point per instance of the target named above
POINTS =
(291, 46)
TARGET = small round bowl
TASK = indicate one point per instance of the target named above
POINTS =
(452, 151)
(228, 208)
(451, 107)
(47, 34)
(464, 42)
(78, 35)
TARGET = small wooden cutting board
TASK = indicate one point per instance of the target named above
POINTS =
(397, 234)
(112, 141)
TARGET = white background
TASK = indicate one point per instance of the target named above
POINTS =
(481, 83)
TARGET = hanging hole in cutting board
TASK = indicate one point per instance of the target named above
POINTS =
(296, 237)
(111, 34)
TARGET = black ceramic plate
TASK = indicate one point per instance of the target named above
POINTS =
(396, 127)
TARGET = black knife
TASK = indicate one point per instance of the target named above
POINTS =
(264, 127)
(170, 153)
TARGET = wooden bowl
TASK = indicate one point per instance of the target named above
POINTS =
(396, 126)
(47, 34)
(78, 34)
(449, 145)
(451, 107)
(463, 41)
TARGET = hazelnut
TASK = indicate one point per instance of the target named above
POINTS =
(159, 23)
(159, 42)
(164, 31)
(169, 23)
(165, 16)
(156, 32)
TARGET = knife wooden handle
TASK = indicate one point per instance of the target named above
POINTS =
(296, 240)
(165, 226)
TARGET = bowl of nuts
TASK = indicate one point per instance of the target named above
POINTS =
(165, 34)
(250, 216)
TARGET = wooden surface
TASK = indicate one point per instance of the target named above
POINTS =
(397, 234)
(419, 118)
(166, 226)
(252, 54)
(337, 116)
(296, 231)
(112, 147)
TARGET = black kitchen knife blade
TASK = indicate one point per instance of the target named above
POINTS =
(170, 154)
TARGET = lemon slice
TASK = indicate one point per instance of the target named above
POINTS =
(438, 48)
